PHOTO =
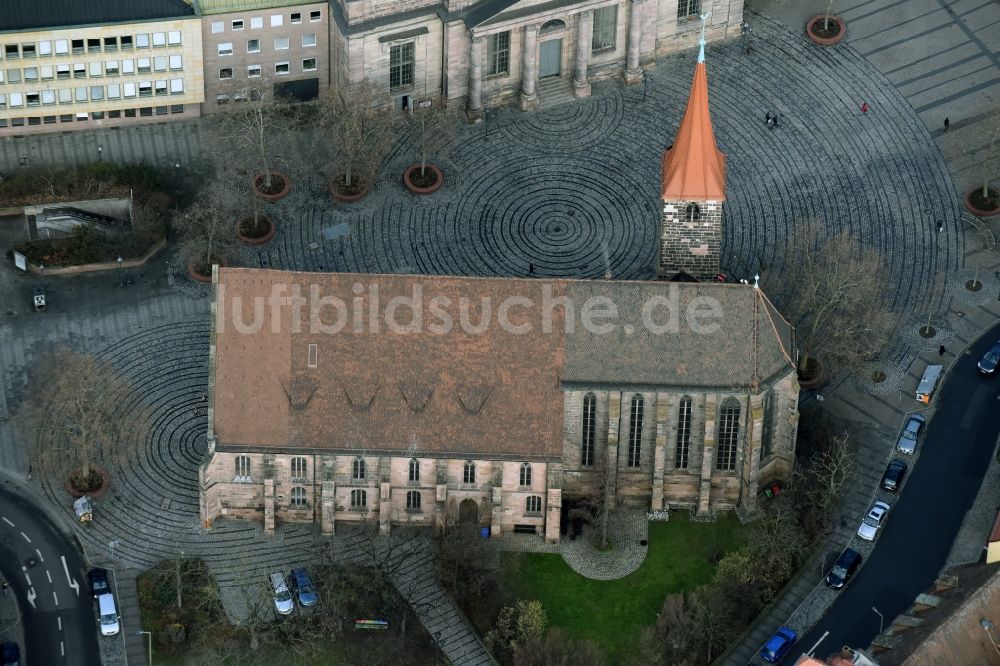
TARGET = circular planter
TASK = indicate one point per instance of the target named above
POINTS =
(199, 277)
(429, 189)
(258, 184)
(347, 198)
(260, 240)
(838, 30)
(818, 377)
(94, 494)
(977, 211)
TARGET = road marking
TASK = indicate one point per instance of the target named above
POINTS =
(31, 597)
(62, 649)
(25, 537)
(55, 597)
(28, 578)
(821, 639)
(40, 558)
(49, 576)
(69, 581)
(60, 622)
(7, 521)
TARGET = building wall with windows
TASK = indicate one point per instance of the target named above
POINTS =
(100, 76)
(281, 43)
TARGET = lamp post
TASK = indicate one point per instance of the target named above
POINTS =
(149, 643)
(437, 645)
(880, 619)
(646, 78)
(100, 153)
(987, 625)
(121, 273)
(745, 30)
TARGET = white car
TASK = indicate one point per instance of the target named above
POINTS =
(109, 614)
(282, 595)
(873, 521)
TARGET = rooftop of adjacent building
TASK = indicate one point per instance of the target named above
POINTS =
(207, 7)
(23, 15)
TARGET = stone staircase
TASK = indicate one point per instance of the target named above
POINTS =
(554, 91)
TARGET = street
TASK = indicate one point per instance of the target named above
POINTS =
(53, 595)
(939, 490)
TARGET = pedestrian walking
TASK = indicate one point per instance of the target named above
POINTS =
(531, 269)
(946, 124)
(767, 118)
(940, 226)
(774, 121)
(941, 350)
(864, 107)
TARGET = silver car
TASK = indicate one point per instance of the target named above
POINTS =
(282, 595)
(873, 521)
(908, 438)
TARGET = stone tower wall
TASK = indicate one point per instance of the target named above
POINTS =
(692, 246)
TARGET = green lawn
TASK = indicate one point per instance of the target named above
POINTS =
(611, 613)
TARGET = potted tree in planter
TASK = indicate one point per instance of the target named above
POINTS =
(360, 131)
(431, 127)
(826, 28)
(206, 229)
(77, 422)
(985, 201)
(252, 135)
(834, 295)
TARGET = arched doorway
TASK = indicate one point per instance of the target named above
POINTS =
(468, 512)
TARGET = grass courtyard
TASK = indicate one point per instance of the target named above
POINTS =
(611, 613)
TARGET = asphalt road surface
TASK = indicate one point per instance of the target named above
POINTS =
(54, 598)
(939, 489)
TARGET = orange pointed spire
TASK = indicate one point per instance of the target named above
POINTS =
(693, 168)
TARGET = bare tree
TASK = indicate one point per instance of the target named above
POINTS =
(834, 293)
(360, 131)
(988, 165)
(75, 414)
(206, 226)
(432, 127)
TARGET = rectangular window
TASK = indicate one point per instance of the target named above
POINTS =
(589, 430)
(174, 37)
(176, 108)
(96, 93)
(226, 73)
(128, 66)
(62, 71)
(34, 120)
(30, 73)
(256, 22)
(28, 51)
(142, 41)
(13, 76)
(114, 114)
(253, 46)
(238, 24)
(114, 91)
(65, 96)
(48, 120)
(767, 429)
(688, 9)
(96, 69)
(281, 68)
(82, 116)
(309, 40)
(401, 65)
(309, 65)
(77, 46)
(222, 99)
(144, 65)
(159, 39)
(80, 94)
(2, 76)
(126, 41)
(683, 434)
(3, 101)
(110, 43)
(728, 442)
(217, 27)
(128, 90)
(226, 48)
(162, 110)
(79, 70)
(111, 68)
(498, 54)
(605, 28)
(130, 113)
(17, 99)
(145, 112)
(277, 20)
(296, 17)
(62, 46)
(33, 99)
(253, 71)
(48, 97)
(94, 45)
(635, 431)
(176, 62)
(160, 87)
(17, 122)
(315, 15)
(44, 48)
(280, 43)
(145, 89)
(11, 51)
(160, 63)
(66, 118)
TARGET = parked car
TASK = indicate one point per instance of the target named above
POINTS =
(109, 614)
(304, 588)
(99, 583)
(988, 363)
(873, 521)
(846, 565)
(11, 654)
(282, 596)
(778, 645)
(907, 442)
(892, 479)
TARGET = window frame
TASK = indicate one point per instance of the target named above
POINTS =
(403, 70)
(588, 434)
(604, 36)
(636, 408)
(413, 471)
(242, 464)
(359, 469)
(469, 472)
(287, 68)
(359, 499)
(299, 466)
(314, 40)
(414, 498)
(524, 475)
(309, 69)
(688, 10)
(225, 49)
(298, 498)
(533, 505)
(682, 446)
(729, 433)
(498, 54)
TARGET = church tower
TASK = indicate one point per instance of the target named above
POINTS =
(693, 189)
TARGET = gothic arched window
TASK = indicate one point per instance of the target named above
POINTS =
(693, 212)
(635, 431)
(589, 429)
(729, 433)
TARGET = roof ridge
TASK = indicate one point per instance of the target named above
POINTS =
(770, 311)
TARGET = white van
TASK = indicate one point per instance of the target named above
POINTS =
(109, 614)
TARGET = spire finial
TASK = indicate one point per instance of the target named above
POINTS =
(756, 281)
(701, 42)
